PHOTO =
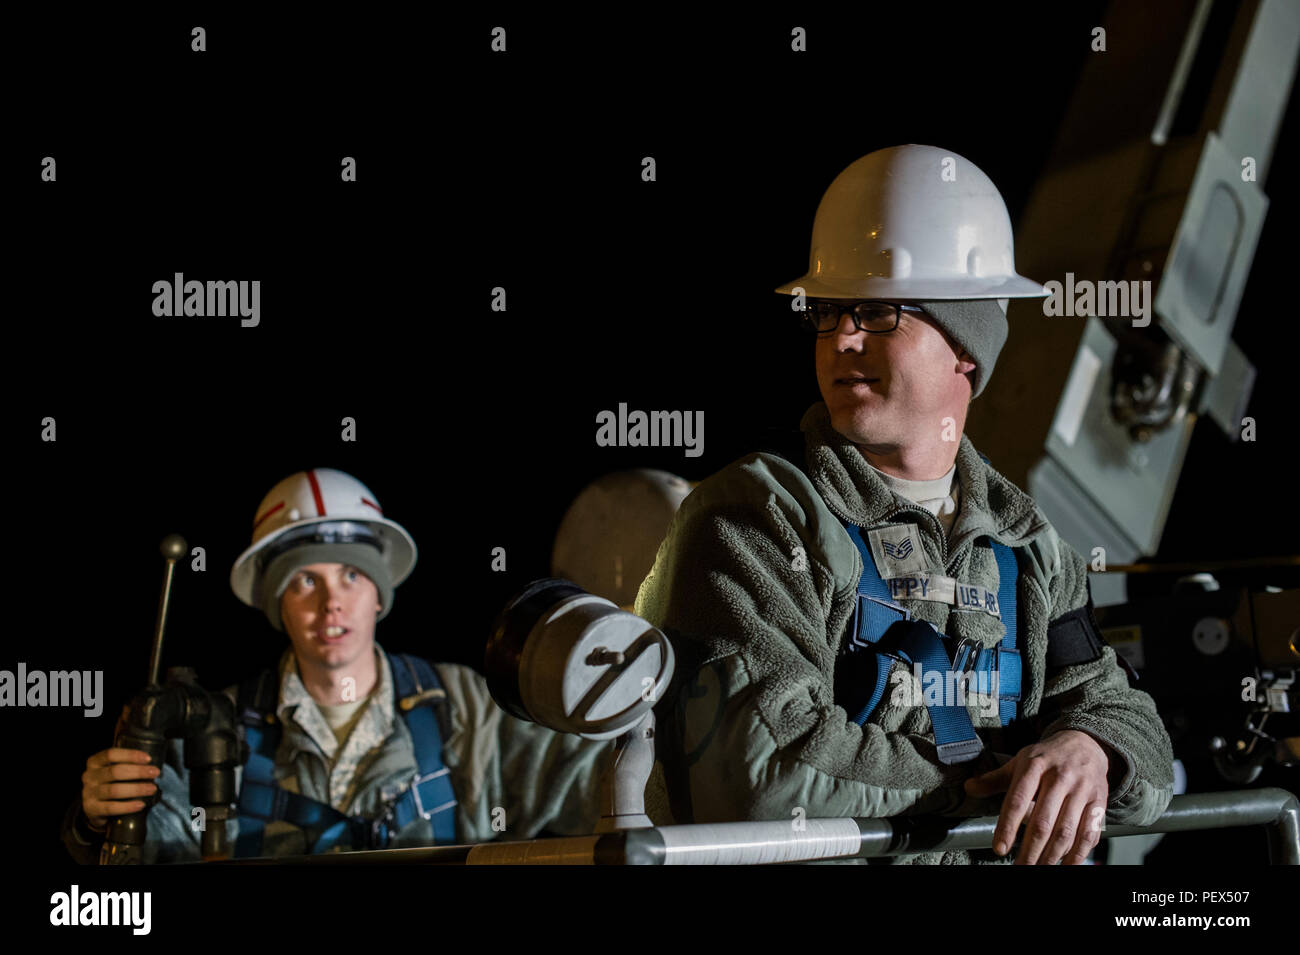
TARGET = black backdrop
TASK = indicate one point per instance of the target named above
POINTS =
(475, 429)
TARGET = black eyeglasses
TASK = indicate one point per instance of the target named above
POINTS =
(874, 317)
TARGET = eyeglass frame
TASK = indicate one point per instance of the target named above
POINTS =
(852, 308)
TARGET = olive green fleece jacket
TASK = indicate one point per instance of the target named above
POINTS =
(755, 584)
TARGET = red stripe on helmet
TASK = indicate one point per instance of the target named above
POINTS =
(372, 504)
(267, 514)
(315, 492)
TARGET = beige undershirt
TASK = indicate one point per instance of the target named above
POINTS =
(940, 496)
(343, 717)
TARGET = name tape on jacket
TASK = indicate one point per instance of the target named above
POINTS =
(902, 565)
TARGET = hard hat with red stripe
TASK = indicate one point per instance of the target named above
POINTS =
(337, 507)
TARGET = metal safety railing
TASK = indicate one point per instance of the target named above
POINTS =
(753, 843)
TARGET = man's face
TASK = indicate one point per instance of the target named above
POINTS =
(916, 378)
(325, 596)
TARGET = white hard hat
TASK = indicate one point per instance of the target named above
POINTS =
(321, 496)
(913, 222)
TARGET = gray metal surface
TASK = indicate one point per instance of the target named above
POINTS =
(1276, 808)
(1211, 255)
(758, 843)
(622, 790)
(1227, 394)
(1125, 487)
(752, 843)
(1132, 483)
(1079, 521)
(1260, 91)
(1215, 243)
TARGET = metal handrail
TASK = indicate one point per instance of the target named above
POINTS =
(749, 843)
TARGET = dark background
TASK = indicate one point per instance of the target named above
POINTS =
(475, 429)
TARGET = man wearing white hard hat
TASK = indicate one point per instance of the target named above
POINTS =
(872, 621)
(350, 747)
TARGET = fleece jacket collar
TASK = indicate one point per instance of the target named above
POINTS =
(990, 504)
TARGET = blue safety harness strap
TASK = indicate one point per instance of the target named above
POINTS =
(430, 795)
(1005, 657)
(886, 628)
(262, 800)
(874, 613)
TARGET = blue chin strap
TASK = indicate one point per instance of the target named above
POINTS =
(887, 629)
